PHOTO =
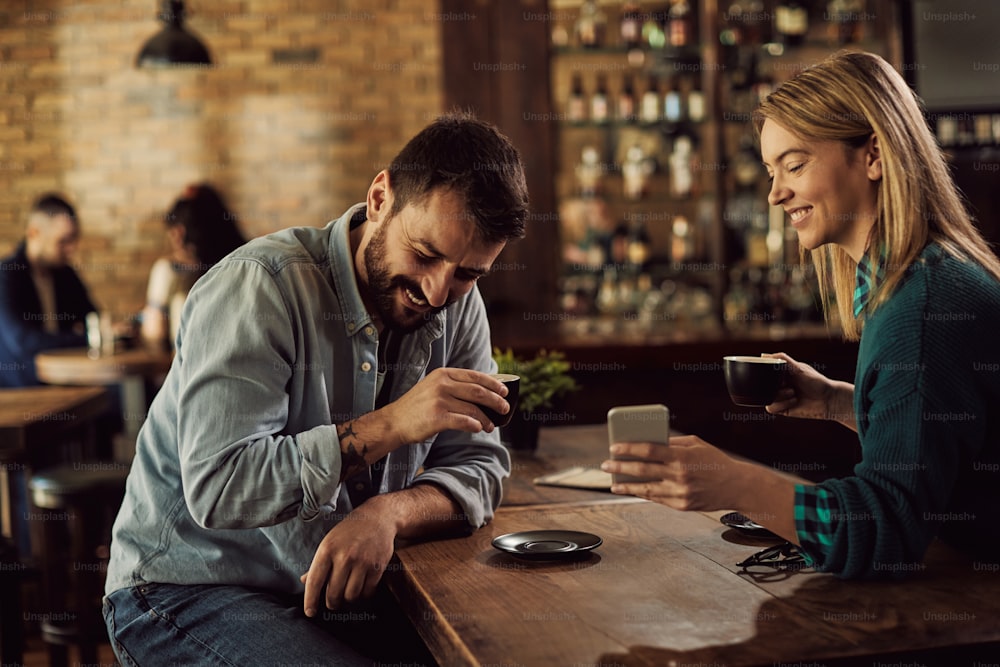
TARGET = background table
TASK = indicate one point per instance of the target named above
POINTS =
(127, 368)
(33, 420)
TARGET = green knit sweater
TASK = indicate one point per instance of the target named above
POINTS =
(927, 401)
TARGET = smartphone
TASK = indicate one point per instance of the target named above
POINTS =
(637, 423)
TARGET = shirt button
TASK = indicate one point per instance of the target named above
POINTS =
(366, 367)
(360, 486)
(350, 326)
(369, 331)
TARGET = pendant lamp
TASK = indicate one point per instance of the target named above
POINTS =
(173, 45)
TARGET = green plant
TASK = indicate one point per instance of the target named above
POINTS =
(543, 379)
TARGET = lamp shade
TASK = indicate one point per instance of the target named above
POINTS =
(173, 45)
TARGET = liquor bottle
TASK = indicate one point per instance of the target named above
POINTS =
(845, 19)
(626, 101)
(576, 106)
(746, 164)
(607, 295)
(744, 23)
(681, 162)
(589, 172)
(696, 103)
(756, 240)
(636, 169)
(631, 25)
(672, 111)
(649, 108)
(637, 248)
(798, 297)
(599, 101)
(652, 30)
(591, 24)
(737, 302)
(682, 241)
(679, 23)
(791, 22)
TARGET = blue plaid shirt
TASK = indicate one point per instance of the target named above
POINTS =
(816, 509)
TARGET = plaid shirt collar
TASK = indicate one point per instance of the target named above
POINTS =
(866, 281)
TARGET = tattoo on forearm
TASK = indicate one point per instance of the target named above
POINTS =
(352, 460)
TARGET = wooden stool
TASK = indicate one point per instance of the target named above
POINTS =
(76, 506)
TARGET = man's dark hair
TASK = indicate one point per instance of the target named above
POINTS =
(473, 159)
(52, 205)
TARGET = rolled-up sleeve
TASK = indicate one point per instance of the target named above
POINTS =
(240, 467)
(471, 470)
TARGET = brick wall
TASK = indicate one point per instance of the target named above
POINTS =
(307, 100)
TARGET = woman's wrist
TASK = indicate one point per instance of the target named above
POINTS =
(840, 406)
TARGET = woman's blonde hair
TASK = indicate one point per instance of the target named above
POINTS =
(848, 97)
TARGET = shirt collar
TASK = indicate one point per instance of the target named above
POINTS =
(867, 280)
(354, 315)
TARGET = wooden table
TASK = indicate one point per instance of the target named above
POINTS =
(34, 414)
(127, 368)
(663, 589)
(35, 417)
(558, 449)
(32, 421)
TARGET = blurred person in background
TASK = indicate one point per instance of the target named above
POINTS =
(868, 190)
(43, 302)
(201, 230)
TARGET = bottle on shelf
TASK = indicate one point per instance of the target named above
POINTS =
(673, 111)
(791, 22)
(679, 24)
(626, 101)
(560, 36)
(653, 35)
(649, 107)
(696, 103)
(845, 20)
(758, 253)
(589, 172)
(607, 294)
(736, 304)
(681, 163)
(799, 302)
(637, 248)
(599, 101)
(576, 104)
(591, 25)
(682, 240)
(983, 129)
(745, 23)
(636, 170)
(631, 25)
(775, 308)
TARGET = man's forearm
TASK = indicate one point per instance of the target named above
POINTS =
(363, 441)
(420, 511)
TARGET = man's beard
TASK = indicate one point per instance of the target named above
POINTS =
(384, 287)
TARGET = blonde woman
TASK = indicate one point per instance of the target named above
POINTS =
(866, 187)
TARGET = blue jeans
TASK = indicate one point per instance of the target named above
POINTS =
(169, 624)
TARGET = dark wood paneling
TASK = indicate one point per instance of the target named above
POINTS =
(496, 64)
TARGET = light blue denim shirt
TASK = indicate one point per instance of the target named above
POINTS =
(235, 476)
